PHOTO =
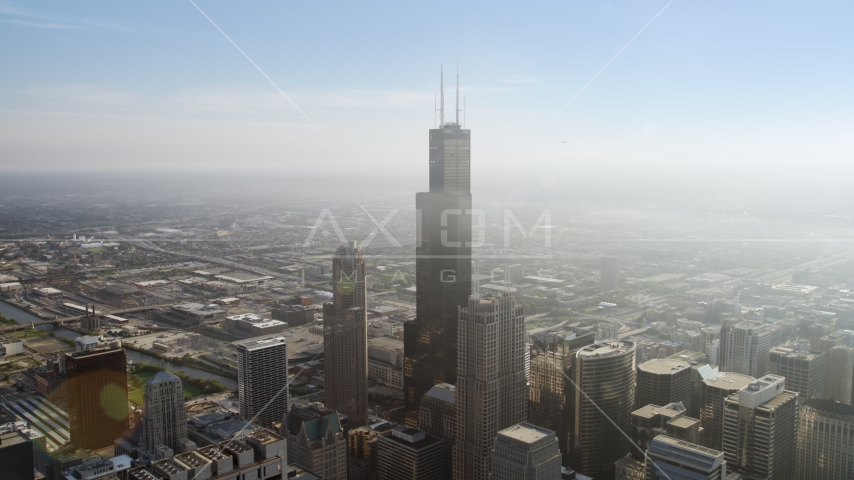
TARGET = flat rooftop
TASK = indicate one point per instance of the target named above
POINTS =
(606, 349)
(688, 356)
(689, 446)
(265, 436)
(684, 422)
(258, 343)
(243, 277)
(386, 343)
(442, 391)
(791, 351)
(526, 433)
(13, 438)
(663, 366)
(729, 380)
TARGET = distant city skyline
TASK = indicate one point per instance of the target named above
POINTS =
(732, 86)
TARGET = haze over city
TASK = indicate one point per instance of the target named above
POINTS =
(562, 240)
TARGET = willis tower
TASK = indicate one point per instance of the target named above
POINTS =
(442, 262)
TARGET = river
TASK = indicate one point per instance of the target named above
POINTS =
(22, 316)
(136, 356)
(15, 313)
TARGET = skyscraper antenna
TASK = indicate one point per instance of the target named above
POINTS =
(441, 96)
(434, 110)
(458, 92)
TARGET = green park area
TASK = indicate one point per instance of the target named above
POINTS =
(193, 386)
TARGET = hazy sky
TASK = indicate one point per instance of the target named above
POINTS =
(722, 87)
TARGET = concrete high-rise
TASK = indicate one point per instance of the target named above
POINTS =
(526, 452)
(670, 458)
(97, 383)
(262, 379)
(825, 440)
(761, 429)
(840, 374)
(164, 417)
(596, 442)
(345, 337)
(662, 381)
(410, 454)
(491, 391)
(550, 395)
(803, 368)
(748, 346)
(609, 277)
(442, 264)
(715, 390)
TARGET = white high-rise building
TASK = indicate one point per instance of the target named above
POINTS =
(714, 352)
(164, 417)
(491, 390)
(262, 379)
(747, 349)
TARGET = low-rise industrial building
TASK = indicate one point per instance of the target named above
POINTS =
(247, 325)
(198, 313)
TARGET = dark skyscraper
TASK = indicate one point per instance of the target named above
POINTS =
(551, 399)
(345, 337)
(606, 372)
(442, 264)
(97, 396)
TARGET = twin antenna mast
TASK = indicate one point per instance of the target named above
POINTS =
(441, 108)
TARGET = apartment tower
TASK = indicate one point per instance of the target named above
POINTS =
(345, 337)
(442, 264)
(262, 379)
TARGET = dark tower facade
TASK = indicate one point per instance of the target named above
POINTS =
(551, 399)
(442, 265)
(345, 337)
(97, 396)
